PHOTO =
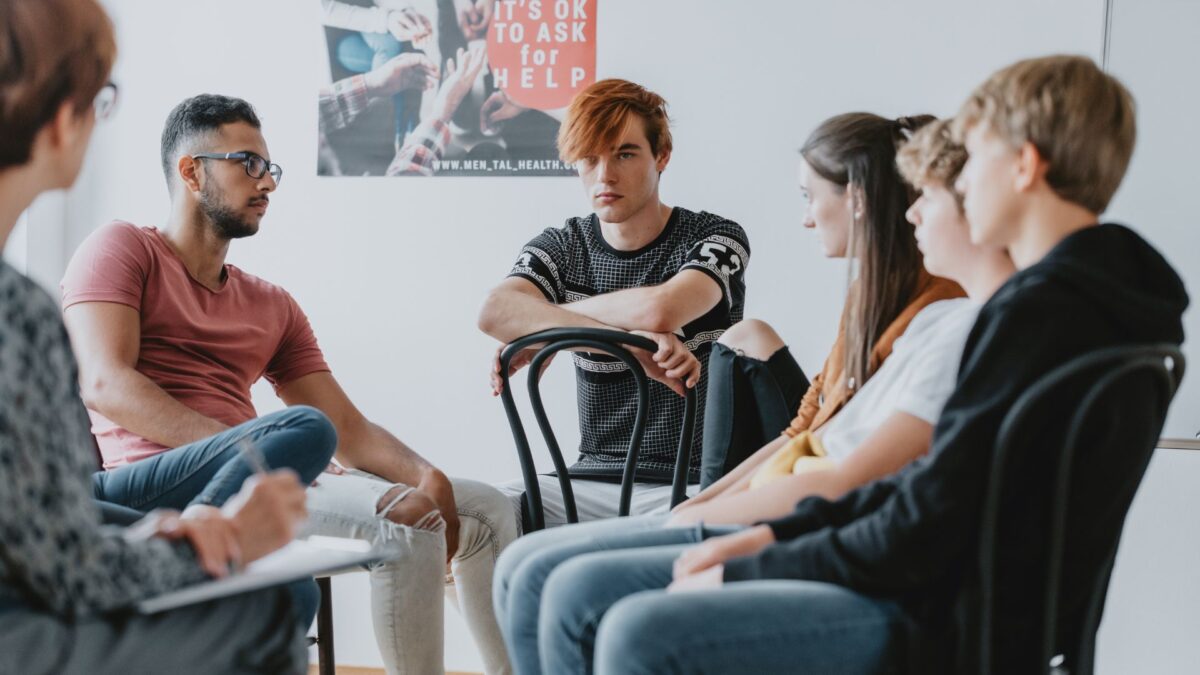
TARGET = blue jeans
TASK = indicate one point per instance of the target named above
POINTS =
(523, 568)
(767, 626)
(590, 598)
(210, 471)
(115, 514)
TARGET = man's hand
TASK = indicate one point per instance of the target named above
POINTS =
(409, 25)
(474, 16)
(437, 487)
(461, 72)
(519, 361)
(672, 364)
(424, 507)
(497, 109)
(333, 469)
(266, 513)
(409, 70)
(716, 551)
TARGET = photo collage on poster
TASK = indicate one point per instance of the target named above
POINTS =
(451, 87)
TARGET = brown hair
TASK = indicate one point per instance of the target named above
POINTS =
(51, 52)
(1080, 119)
(858, 151)
(599, 115)
(932, 156)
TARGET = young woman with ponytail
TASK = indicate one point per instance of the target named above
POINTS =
(758, 397)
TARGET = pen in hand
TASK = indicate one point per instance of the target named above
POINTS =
(252, 456)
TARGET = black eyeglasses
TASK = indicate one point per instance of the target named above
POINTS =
(105, 101)
(256, 166)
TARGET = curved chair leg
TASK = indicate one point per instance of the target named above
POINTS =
(615, 343)
(325, 662)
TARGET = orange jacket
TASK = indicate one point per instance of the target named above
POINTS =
(828, 391)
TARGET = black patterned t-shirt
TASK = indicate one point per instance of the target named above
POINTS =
(574, 262)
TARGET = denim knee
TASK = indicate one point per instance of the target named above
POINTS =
(569, 593)
(306, 600)
(502, 575)
(510, 565)
(320, 439)
(314, 421)
(524, 565)
(631, 637)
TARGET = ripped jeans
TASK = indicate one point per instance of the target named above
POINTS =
(406, 594)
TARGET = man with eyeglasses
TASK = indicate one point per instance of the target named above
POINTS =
(170, 339)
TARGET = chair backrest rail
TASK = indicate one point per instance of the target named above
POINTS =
(616, 343)
(1167, 362)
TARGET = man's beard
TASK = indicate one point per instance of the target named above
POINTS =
(227, 223)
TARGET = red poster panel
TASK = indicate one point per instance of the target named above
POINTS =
(543, 52)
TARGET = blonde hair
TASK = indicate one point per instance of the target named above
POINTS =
(932, 156)
(1080, 119)
(599, 115)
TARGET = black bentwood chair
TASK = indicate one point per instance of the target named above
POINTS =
(1148, 375)
(324, 637)
(601, 340)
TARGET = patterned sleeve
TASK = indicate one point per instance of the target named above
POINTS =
(341, 102)
(421, 151)
(723, 253)
(543, 261)
(54, 552)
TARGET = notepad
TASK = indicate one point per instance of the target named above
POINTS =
(302, 558)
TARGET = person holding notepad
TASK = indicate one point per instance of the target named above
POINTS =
(67, 583)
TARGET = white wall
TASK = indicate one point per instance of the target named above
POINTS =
(1154, 50)
(392, 271)
(1152, 617)
(16, 248)
(1152, 612)
(37, 244)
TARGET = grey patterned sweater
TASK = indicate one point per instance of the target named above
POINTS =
(54, 554)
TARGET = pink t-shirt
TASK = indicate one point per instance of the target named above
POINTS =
(203, 347)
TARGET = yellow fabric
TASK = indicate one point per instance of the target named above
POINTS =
(801, 454)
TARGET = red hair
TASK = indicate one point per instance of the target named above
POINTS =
(599, 115)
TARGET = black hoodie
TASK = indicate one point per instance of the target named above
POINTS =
(912, 538)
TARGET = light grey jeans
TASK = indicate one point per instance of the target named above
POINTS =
(406, 594)
(594, 500)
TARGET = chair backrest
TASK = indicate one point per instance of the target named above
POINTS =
(1146, 373)
(601, 340)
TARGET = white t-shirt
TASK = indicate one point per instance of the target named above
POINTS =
(916, 379)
